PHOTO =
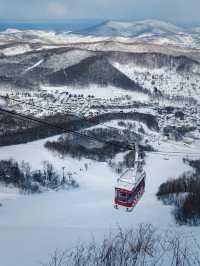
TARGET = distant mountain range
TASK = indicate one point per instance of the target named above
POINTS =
(147, 31)
(132, 29)
(153, 31)
(135, 56)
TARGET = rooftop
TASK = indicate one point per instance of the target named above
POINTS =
(128, 180)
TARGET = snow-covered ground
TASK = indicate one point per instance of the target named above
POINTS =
(34, 226)
(106, 92)
(18, 49)
(130, 125)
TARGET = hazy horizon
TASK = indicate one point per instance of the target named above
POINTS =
(86, 21)
(175, 11)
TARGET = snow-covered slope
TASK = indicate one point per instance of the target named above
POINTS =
(43, 37)
(153, 31)
(147, 30)
(63, 218)
(166, 81)
(17, 49)
(133, 29)
(67, 59)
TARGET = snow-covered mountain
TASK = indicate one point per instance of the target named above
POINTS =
(133, 29)
(152, 31)
(147, 31)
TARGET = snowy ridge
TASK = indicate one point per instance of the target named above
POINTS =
(132, 29)
(148, 31)
(67, 59)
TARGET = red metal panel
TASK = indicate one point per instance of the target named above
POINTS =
(136, 193)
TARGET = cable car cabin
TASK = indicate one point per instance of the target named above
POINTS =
(130, 188)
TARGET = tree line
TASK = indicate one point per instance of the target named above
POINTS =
(184, 194)
(21, 176)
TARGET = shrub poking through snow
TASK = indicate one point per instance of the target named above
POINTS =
(139, 247)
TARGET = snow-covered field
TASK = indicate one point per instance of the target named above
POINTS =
(34, 226)
(107, 92)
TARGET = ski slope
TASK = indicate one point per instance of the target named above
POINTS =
(33, 226)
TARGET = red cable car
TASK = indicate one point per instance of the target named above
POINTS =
(130, 187)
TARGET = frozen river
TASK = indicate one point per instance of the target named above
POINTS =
(34, 226)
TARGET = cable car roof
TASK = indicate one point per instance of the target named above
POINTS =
(127, 181)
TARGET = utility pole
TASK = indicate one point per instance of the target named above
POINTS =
(63, 177)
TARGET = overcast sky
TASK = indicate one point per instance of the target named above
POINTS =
(180, 11)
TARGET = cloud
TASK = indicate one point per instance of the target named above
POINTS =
(56, 10)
